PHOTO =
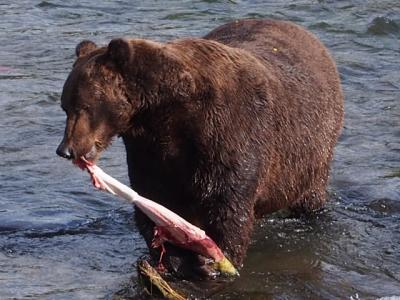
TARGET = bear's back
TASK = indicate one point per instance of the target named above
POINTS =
(289, 48)
(278, 42)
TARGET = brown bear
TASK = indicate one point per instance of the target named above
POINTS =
(221, 129)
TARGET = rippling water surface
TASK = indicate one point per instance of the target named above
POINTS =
(59, 239)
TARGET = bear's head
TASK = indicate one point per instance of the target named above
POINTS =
(109, 86)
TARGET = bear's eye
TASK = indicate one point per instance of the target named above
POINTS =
(85, 107)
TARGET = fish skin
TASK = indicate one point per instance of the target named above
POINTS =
(170, 227)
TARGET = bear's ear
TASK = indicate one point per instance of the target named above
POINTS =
(84, 48)
(120, 52)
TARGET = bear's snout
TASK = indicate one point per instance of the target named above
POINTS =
(68, 152)
(64, 151)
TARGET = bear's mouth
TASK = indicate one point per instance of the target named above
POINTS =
(89, 157)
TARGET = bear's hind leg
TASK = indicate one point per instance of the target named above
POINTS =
(309, 203)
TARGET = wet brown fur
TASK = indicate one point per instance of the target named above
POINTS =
(220, 129)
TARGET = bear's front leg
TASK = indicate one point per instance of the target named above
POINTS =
(225, 193)
(229, 222)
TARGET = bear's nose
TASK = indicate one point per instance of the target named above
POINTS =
(64, 151)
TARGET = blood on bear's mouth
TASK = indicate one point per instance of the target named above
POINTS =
(84, 164)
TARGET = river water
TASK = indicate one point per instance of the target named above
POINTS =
(60, 239)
